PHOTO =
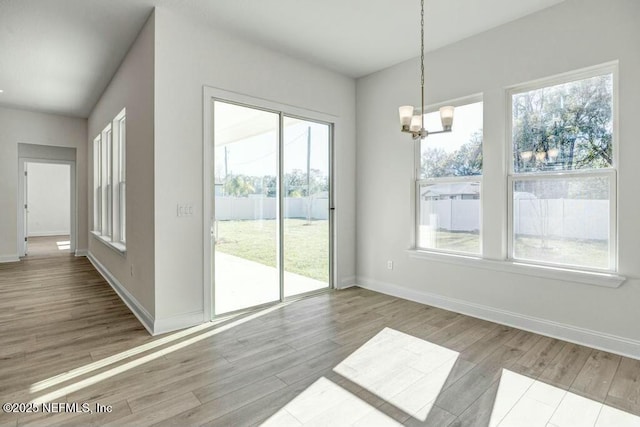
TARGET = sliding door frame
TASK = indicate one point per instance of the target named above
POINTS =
(212, 94)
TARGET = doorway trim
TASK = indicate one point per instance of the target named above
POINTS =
(210, 94)
(73, 232)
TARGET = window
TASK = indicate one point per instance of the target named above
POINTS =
(97, 185)
(562, 182)
(449, 182)
(120, 186)
(109, 183)
(107, 167)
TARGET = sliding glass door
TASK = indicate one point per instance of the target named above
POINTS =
(271, 206)
(245, 229)
(306, 205)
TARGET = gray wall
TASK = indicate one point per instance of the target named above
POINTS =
(569, 36)
(132, 87)
(188, 56)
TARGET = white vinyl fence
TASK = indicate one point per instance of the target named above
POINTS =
(570, 218)
(260, 207)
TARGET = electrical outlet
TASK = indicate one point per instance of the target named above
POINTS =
(389, 265)
(131, 270)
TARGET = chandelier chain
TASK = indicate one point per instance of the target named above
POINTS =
(422, 61)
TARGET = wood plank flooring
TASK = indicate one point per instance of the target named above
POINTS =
(46, 246)
(351, 357)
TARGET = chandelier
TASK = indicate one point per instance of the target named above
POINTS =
(412, 119)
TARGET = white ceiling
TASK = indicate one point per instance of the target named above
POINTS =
(58, 55)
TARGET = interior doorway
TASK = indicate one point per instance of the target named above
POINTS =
(47, 207)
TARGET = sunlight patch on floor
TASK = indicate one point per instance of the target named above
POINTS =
(524, 402)
(406, 371)
(64, 245)
(86, 382)
(324, 403)
(74, 373)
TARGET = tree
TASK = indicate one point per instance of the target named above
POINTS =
(568, 126)
(435, 162)
(295, 183)
(465, 161)
(239, 185)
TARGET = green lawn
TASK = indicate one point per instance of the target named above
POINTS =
(459, 242)
(306, 246)
(587, 253)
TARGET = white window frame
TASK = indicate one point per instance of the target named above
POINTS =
(97, 184)
(107, 182)
(119, 178)
(110, 174)
(419, 181)
(611, 172)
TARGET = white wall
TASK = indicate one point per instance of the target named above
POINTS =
(19, 126)
(188, 56)
(570, 36)
(49, 199)
(132, 87)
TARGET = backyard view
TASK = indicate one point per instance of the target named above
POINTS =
(449, 185)
(566, 127)
(452, 241)
(260, 179)
(576, 252)
(555, 218)
(253, 240)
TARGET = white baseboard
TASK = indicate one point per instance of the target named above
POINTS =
(82, 252)
(136, 308)
(174, 323)
(599, 340)
(49, 233)
(347, 282)
(9, 258)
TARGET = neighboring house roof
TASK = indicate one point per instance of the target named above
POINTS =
(523, 195)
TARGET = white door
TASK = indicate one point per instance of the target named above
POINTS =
(26, 208)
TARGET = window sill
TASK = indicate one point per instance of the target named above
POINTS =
(116, 246)
(609, 280)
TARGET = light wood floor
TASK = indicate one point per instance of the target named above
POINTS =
(47, 246)
(66, 337)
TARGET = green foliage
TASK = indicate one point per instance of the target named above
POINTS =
(574, 120)
(239, 185)
(295, 184)
(465, 161)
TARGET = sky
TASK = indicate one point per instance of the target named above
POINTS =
(467, 119)
(251, 139)
(256, 154)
